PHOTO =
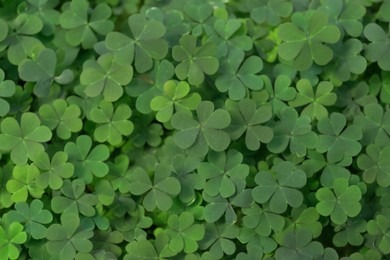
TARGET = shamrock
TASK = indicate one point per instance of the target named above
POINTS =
(194, 61)
(304, 43)
(7, 89)
(11, 237)
(239, 75)
(270, 12)
(199, 135)
(350, 233)
(112, 125)
(379, 47)
(23, 140)
(280, 93)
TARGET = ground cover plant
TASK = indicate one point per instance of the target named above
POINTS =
(199, 129)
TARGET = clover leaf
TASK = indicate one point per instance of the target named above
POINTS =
(74, 201)
(105, 76)
(42, 70)
(183, 233)
(315, 102)
(223, 172)
(158, 193)
(62, 117)
(176, 96)
(53, 171)
(248, 119)
(337, 140)
(68, 238)
(11, 237)
(375, 165)
(46, 12)
(198, 135)
(341, 203)
(304, 44)
(293, 131)
(194, 61)
(23, 139)
(262, 220)
(379, 228)
(24, 182)
(350, 233)
(299, 245)
(87, 161)
(112, 125)
(379, 47)
(21, 40)
(282, 189)
(237, 75)
(83, 24)
(7, 89)
(200, 14)
(271, 12)
(304, 218)
(33, 217)
(145, 44)
(280, 93)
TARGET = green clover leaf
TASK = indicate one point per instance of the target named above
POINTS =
(223, 172)
(270, 12)
(183, 233)
(33, 217)
(112, 125)
(105, 76)
(380, 229)
(200, 14)
(293, 131)
(53, 171)
(46, 12)
(145, 44)
(207, 132)
(62, 117)
(194, 61)
(24, 182)
(375, 165)
(87, 161)
(341, 203)
(7, 89)
(379, 47)
(68, 238)
(304, 44)
(158, 193)
(23, 140)
(237, 75)
(315, 102)
(74, 201)
(337, 140)
(248, 119)
(11, 237)
(83, 24)
(299, 245)
(175, 97)
(282, 189)
(280, 93)
(350, 233)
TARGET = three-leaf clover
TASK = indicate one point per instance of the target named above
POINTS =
(270, 12)
(23, 139)
(68, 238)
(145, 44)
(304, 44)
(350, 233)
(198, 135)
(280, 189)
(183, 233)
(223, 172)
(112, 125)
(33, 216)
(238, 75)
(158, 193)
(314, 102)
(280, 92)
(194, 61)
(74, 200)
(83, 24)
(105, 76)
(379, 228)
(87, 161)
(293, 131)
(175, 97)
(11, 237)
(24, 182)
(379, 47)
(7, 89)
(62, 117)
(340, 202)
(248, 119)
(337, 140)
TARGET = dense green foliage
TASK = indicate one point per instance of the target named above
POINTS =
(195, 129)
